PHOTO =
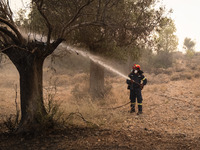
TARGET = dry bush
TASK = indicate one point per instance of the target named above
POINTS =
(158, 79)
(80, 91)
(182, 69)
(186, 75)
(158, 71)
(168, 71)
(196, 74)
(78, 107)
(182, 76)
(93, 112)
(175, 77)
(11, 123)
(193, 63)
(179, 68)
(52, 106)
(81, 109)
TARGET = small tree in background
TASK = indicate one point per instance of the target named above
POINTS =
(189, 46)
(164, 43)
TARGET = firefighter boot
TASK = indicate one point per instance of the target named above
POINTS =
(139, 109)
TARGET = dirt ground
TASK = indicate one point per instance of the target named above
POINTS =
(86, 138)
(171, 118)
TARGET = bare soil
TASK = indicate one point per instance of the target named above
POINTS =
(171, 119)
(86, 138)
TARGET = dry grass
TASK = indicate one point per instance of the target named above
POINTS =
(98, 111)
(74, 99)
(161, 96)
(170, 105)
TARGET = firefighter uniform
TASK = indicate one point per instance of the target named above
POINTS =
(135, 87)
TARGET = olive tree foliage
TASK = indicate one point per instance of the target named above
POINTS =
(103, 26)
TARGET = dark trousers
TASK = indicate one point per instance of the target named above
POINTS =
(136, 93)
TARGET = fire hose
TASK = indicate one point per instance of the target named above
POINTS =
(117, 106)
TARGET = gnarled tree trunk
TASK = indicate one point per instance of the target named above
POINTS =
(31, 92)
(29, 64)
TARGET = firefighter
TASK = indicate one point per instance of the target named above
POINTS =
(136, 84)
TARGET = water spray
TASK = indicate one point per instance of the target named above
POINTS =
(92, 57)
(95, 59)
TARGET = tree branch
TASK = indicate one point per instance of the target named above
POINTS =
(16, 54)
(3, 37)
(13, 46)
(19, 36)
(95, 23)
(5, 8)
(52, 47)
(75, 17)
(39, 7)
(10, 34)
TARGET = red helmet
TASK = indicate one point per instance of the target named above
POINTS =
(136, 66)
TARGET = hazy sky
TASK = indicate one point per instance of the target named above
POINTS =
(187, 20)
(185, 14)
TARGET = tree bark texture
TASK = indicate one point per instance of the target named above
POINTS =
(96, 80)
(31, 92)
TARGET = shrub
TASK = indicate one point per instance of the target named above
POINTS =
(163, 60)
(197, 75)
(175, 77)
(186, 75)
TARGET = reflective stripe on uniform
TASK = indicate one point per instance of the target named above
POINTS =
(144, 78)
(133, 103)
(139, 103)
